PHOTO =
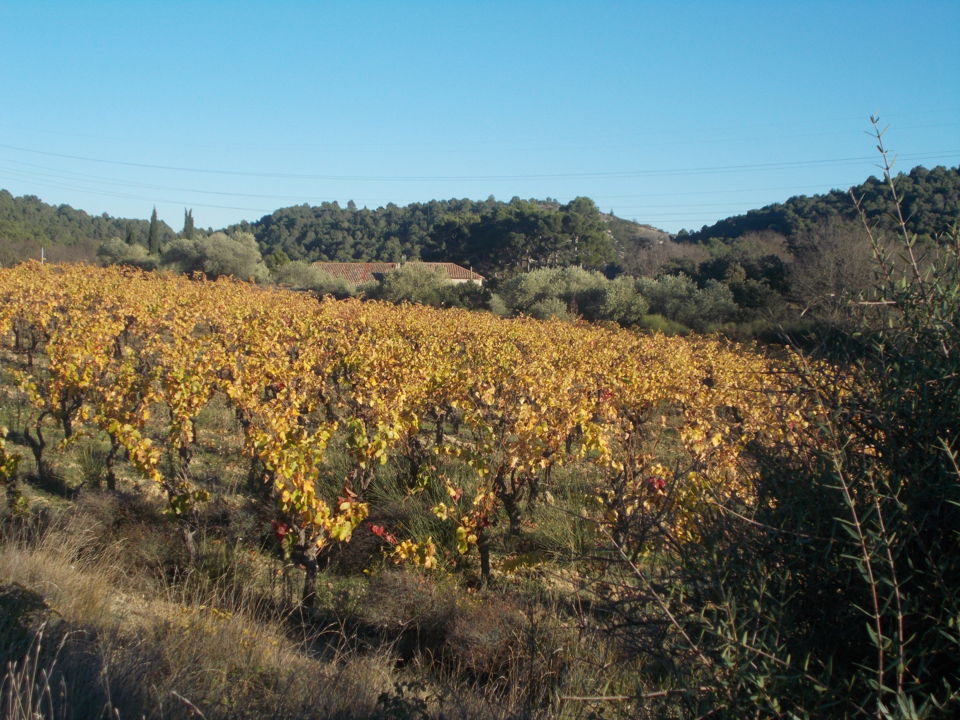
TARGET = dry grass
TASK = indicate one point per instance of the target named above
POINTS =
(94, 631)
(146, 655)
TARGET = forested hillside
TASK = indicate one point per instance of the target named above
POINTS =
(66, 234)
(488, 235)
(497, 237)
(930, 202)
(799, 264)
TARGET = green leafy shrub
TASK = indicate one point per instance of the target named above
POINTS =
(217, 255)
(117, 252)
(414, 282)
(307, 276)
(572, 291)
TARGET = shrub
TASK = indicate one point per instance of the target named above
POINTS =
(116, 252)
(678, 298)
(217, 255)
(306, 276)
(573, 291)
(549, 307)
(414, 282)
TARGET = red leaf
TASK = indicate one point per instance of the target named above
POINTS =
(382, 534)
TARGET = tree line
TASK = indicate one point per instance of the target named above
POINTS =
(798, 264)
(493, 237)
(930, 201)
(65, 233)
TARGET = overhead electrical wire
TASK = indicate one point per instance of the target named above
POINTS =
(302, 197)
(149, 199)
(56, 180)
(88, 183)
(741, 132)
(484, 178)
(68, 175)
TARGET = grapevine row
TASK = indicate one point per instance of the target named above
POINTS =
(119, 352)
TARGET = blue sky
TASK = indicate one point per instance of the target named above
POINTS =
(675, 113)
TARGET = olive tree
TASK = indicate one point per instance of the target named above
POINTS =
(306, 276)
(217, 255)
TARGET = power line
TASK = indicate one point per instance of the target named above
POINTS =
(149, 199)
(717, 134)
(485, 178)
(69, 175)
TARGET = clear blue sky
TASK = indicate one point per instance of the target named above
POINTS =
(672, 113)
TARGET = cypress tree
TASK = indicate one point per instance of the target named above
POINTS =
(188, 224)
(153, 237)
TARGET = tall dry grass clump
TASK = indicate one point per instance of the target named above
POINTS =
(85, 637)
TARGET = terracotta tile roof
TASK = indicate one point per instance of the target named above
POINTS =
(457, 272)
(358, 273)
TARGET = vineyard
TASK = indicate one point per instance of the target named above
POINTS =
(135, 358)
(544, 464)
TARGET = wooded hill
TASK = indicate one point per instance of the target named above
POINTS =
(503, 238)
(490, 236)
(930, 202)
(66, 234)
(519, 235)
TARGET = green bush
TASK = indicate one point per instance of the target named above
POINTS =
(117, 252)
(549, 307)
(678, 298)
(217, 255)
(307, 276)
(413, 282)
(847, 587)
(572, 291)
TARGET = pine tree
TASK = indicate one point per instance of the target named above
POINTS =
(130, 236)
(188, 231)
(153, 237)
